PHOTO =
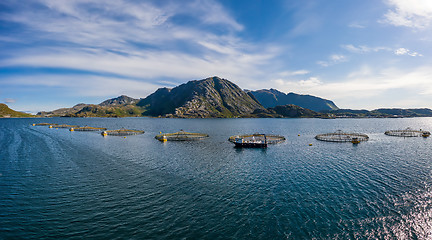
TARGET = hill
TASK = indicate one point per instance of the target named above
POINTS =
(272, 98)
(6, 112)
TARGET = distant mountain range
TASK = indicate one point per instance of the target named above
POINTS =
(208, 98)
(215, 97)
(272, 98)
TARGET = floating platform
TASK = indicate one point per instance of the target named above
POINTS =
(256, 140)
(408, 133)
(340, 136)
(87, 128)
(181, 136)
(121, 132)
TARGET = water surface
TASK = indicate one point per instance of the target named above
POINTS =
(60, 184)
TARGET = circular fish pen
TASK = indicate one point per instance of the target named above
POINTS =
(121, 132)
(408, 133)
(43, 124)
(64, 126)
(87, 129)
(340, 136)
(181, 136)
(270, 138)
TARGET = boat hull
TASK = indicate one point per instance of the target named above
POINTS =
(250, 145)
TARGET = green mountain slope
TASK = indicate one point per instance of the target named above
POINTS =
(6, 112)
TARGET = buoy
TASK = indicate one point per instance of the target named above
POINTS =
(34, 124)
(299, 135)
(71, 129)
(124, 137)
(310, 144)
(50, 126)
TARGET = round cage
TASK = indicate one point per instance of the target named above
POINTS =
(43, 124)
(87, 128)
(121, 132)
(270, 138)
(408, 133)
(64, 126)
(181, 136)
(340, 136)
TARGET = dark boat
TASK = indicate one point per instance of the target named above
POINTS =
(255, 141)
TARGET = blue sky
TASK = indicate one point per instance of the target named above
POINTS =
(362, 54)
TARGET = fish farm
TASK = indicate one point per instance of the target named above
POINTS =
(408, 133)
(181, 136)
(121, 132)
(270, 139)
(87, 128)
(340, 136)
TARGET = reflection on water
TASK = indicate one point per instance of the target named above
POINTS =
(60, 184)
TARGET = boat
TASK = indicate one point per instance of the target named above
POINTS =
(355, 140)
(255, 141)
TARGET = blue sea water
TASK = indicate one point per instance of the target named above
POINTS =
(56, 184)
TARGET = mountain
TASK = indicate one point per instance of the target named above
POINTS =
(272, 98)
(210, 97)
(6, 112)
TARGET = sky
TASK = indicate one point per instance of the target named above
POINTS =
(361, 54)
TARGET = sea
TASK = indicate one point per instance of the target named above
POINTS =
(57, 184)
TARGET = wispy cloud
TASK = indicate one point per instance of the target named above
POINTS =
(9, 100)
(134, 39)
(356, 25)
(293, 73)
(332, 60)
(366, 49)
(409, 13)
(84, 85)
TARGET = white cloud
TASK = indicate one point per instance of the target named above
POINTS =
(293, 73)
(332, 60)
(367, 86)
(364, 49)
(409, 13)
(404, 51)
(356, 25)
